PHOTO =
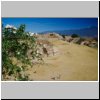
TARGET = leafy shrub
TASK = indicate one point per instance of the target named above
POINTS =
(16, 43)
(74, 35)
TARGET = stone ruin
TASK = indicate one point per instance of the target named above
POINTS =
(46, 48)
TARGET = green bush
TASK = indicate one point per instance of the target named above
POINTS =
(16, 44)
(74, 35)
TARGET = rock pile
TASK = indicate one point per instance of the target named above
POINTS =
(91, 42)
(53, 35)
(46, 48)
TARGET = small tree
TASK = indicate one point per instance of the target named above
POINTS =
(74, 35)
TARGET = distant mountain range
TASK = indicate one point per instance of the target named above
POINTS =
(84, 32)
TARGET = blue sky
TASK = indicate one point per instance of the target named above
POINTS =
(48, 24)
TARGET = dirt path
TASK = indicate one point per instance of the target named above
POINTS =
(72, 63)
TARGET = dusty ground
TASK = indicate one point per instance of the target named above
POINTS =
(72, 63)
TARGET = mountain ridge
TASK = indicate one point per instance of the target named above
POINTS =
(85, 32)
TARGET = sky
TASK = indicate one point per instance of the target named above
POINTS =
(49, 24)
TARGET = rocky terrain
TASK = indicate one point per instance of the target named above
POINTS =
(66, 61)
(63, 59)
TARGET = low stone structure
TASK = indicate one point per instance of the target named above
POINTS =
(68, 38)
